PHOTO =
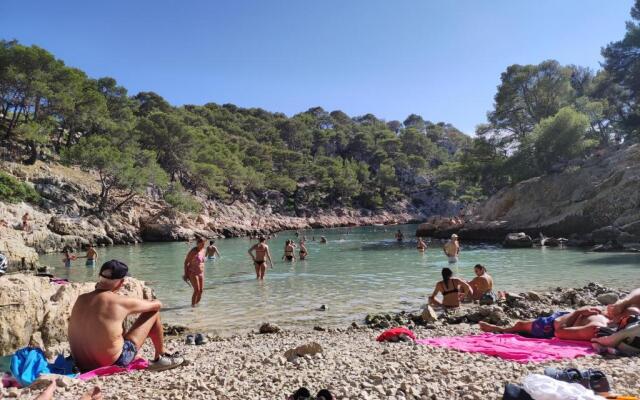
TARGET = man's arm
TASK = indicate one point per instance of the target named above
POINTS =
(468, 290)
(631, 300)
(570, 319)
(137, 306)
(215, 251)
(250, 252)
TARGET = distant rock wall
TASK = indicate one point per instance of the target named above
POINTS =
(595, 203)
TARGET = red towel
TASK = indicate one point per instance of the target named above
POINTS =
(514, 347)
(393, 332)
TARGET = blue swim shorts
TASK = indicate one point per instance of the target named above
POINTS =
(128, 354)
(542, 328)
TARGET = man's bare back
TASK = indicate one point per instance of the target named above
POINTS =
(99, 316)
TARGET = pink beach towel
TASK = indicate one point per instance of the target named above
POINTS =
(514, 347)
(137, 364)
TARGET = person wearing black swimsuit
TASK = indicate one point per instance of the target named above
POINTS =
(452, 290)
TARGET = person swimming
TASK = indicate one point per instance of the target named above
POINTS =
(452, 290)
(452, 249)
(289, 247)
(212, 250)
(68, 257)
(91, 256)
(303, 250)
(323, 239)
(399, 236)
(421, 245)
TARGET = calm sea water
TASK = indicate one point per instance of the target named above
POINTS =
(359, 271)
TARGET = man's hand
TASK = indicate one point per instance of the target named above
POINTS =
(615, 310)
(590, 311)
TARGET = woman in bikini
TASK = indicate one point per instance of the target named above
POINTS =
(452, 289)
(303, 250)
(194, 270)
(288, 251)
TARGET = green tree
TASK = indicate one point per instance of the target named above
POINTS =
(124, 171)
(560, 138)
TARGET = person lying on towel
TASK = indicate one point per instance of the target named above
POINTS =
(625, 339)
(582, 324)
(96, 325)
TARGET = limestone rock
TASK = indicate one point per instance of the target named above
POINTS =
(429, 314)
(269, 328)
(607, 298)
(309, 349)
(35, 310)
(517, 240)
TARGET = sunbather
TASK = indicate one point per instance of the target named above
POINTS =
(631, 300)
(452, 289)
(95, 326)
(628, 332)
(582, 324)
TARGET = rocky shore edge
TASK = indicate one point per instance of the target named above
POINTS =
(66, 217)
(271, 362)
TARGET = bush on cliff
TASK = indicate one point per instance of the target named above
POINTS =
(14, 191)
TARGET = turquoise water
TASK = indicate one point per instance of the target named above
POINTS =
(359, 271)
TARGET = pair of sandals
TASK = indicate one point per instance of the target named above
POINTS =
(197, 339)
(304, 394)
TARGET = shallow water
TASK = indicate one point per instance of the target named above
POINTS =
(359, 271)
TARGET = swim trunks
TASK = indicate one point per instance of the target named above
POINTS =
(90, 262)
(542, 328)
(128, 354)
(67, 263)
(289, 258)
(453, 259)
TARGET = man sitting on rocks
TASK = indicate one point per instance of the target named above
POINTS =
(95, 326)
(582, 324)
(482, 285)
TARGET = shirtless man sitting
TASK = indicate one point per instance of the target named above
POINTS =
(482, 283)
(582, 324)
(261, 256)
(96, 332)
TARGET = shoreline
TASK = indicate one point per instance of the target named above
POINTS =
(352, 364)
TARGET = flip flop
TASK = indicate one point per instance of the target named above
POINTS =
(200, 339)
(190, 340)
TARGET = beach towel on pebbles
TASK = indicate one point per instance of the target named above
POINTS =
(513, 347)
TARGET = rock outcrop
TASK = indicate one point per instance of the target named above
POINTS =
(596, 202)
(35, 311)
(517, 241)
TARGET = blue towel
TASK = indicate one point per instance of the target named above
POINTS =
(29, 363)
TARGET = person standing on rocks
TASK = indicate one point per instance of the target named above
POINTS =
(95, 326)
(452, 290)
(260, 257)
(25, 222)
(452, 249)
(212, 250)
(194, 270)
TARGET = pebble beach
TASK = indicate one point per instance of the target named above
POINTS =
(352, 365)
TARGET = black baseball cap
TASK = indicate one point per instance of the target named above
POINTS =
(114, 269)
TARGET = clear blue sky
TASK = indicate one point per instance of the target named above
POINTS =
(440, 59)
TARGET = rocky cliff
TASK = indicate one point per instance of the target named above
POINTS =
(35, 311)
(597, 202)
(69, 195)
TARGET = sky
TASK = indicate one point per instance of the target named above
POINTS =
(441, 59)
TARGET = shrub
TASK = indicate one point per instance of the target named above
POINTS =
(14, 191)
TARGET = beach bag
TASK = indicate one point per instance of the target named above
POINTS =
(488, 299)
(541, 387)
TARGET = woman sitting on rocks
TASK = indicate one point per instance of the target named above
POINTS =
(452, 290)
